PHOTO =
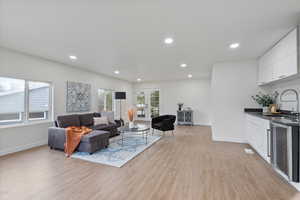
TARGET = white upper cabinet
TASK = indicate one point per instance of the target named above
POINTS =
(281, 61)
(286, 56)
(265, 72)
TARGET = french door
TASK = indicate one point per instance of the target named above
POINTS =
(147, 103)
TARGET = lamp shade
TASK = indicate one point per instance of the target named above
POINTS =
(120, 95)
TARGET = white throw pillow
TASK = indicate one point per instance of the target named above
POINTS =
(100, 120)
(109, 115)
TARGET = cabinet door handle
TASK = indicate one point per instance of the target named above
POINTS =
(268, 142)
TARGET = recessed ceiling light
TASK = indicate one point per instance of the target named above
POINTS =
(190, 76)
(169, 40)
(138, 79)
(73, 57)
(183, 65)
(234, 45)
(117, 72)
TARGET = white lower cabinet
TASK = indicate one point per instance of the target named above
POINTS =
(258, 135)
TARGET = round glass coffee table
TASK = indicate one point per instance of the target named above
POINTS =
(139, 129)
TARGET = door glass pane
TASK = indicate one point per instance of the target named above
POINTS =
(11, 100)
(180, 115)
(106, 100)
(188, 116)
(141, 104)
(154, 102)
(39, 100)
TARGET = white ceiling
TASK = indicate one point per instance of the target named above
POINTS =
(128, 35)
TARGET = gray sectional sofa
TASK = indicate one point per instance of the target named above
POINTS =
(92, 142)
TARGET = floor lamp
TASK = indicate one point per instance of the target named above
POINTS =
(120, 96)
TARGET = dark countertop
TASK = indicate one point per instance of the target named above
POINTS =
(284, 118)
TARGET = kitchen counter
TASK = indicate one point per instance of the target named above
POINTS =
(284, 119)
(276, 141)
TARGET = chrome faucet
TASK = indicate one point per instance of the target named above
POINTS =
(297, 99)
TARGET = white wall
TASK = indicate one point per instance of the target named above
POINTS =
(17, 65)
(193, 93)
(233, 84)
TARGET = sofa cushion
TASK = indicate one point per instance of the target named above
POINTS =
(110, 116)
(99, 127)
(94, 135)
(68, 120)
(104, 126)
(86, 119)
(100, 120)
(113, 125)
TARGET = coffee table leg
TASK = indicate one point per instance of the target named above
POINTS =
(146, 137)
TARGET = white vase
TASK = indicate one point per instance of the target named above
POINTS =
(131, 125)
(265, 109)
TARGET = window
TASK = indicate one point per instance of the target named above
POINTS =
(106, 100)
(154, 102)
(23, 101)
(147, 103)
(39, 96)
(12, 93)
(141, 98)
(141, 104)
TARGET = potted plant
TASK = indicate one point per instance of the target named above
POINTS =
(265, 100)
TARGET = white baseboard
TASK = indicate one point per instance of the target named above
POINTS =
(195, 124)
(199, 124)
(22, 147)
(227, 139)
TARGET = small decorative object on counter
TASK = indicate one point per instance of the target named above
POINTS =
(273, 108)
(180, 106)
(130, 117)
(265, 100)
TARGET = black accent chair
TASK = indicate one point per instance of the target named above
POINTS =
(163, 123)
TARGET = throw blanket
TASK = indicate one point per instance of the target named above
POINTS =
(73, 137)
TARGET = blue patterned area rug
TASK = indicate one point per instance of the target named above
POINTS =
(117, 154)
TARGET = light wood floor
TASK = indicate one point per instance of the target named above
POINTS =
(187, 166)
